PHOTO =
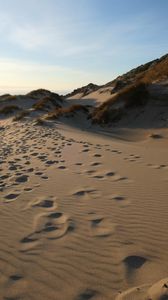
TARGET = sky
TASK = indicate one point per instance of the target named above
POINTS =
(61, 45)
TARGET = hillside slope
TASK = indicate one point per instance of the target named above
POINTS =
(156, 70)
(137, 98)
(135, 92)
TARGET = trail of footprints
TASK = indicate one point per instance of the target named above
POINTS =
(19, 174)
(20, 168)
(51, 224)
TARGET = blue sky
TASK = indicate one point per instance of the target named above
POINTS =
(63, 44)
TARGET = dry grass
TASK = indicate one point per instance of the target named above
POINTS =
(10, 98)
(131, 96)
(36, 93)
(66, 111)
(4, 96)
(134, 95)
(7, 97)
(21, 115)
(41, 104)
(39, 122)
(45, 103)
(158, 72)
(152, 71)
(106, 116)
(8, 109)
(85, 90)
(42, 93)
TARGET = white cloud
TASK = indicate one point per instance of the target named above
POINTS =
(28, 37)
(57, 37)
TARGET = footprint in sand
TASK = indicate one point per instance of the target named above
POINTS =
(86, 193)
(12, 168)
(16, 287)
(134, 262)
(120, 199)
(104, 176)
(34, 154)
(60, 223)
(79, 164)
(50, 162)
(30, 170)
(132, 265)
(38, 173)
(110, 174)
(51, 226)
(98, 177)
(62, 167)
(11, 197)
(15, 277)
(95, 164)
(45, 177)
(87, 295)
(47, 203)
(101, 226)
(22, 179)
(121, 178)
(89, 172)
(85, 150)
(28, 189)
(97, 155)
(163, 166)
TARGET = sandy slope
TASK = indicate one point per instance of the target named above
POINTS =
(94, 98)
(83, 216)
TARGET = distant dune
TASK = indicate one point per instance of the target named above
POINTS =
(135, 99)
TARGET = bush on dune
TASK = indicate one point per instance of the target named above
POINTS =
(4, 97)
(134, 95)
(44, 103)
(42, 93)
(21, 115)
(158, 72)
(66, 111)
(7, 97)
(40, 122)
(112, 110)
(107, 115)
(8, 109)
(10, 98)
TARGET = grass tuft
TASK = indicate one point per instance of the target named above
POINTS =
(8, 109)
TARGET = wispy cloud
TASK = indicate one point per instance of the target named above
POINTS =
(29, 37)
(63, 37)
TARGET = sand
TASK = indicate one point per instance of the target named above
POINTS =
(83, 214)
(94, 98)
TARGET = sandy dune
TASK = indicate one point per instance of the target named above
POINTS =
(94, 98)
(83, 216)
